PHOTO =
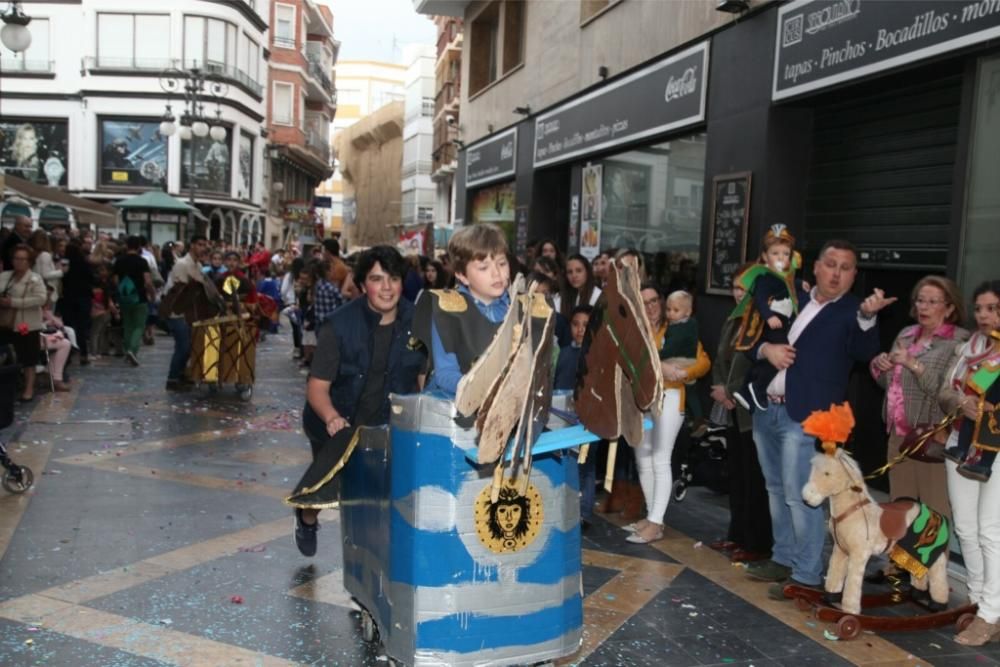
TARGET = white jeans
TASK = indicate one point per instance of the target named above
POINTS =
(975, 509)
(652, 456)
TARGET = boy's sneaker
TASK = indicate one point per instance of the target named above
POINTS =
(131, 358)
(768, 570)
(305, 535)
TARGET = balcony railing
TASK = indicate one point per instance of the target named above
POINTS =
(449, 92)
(8, 64)
(156, 65)
(319, 143)
(284, 40)
(151, 64)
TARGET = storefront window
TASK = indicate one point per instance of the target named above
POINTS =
(980, 242)
(495, 204)
(651, 200)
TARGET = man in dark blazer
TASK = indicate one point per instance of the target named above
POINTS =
(834, 329)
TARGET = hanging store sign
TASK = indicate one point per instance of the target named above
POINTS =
(493, 159)
(821, 43)
(665, 96)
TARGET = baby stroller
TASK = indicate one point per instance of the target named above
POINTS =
(16, 479)
(703, 460)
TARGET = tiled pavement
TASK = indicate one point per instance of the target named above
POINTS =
(152, 510)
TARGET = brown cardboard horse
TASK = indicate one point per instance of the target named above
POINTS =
(621, 375)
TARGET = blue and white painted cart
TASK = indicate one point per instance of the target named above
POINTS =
(440, 586)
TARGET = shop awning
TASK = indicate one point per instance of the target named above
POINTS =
(87, 211)
(157, 200)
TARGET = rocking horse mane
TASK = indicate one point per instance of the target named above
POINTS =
(852, 469)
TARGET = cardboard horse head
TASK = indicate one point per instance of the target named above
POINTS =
(620, 375)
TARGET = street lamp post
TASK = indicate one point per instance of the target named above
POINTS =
(196, 87)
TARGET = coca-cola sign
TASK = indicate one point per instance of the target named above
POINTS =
(659, 98)
(492, 159)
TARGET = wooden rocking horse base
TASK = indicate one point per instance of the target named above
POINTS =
(849, 626)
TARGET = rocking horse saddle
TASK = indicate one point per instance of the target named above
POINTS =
(894, 522)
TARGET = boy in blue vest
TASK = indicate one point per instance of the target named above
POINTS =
(459, 324)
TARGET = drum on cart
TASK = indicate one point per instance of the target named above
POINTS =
(224, 351)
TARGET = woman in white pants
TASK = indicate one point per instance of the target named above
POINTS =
(975, 504)
(653, 455)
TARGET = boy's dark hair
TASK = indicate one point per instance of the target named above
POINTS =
(231, 253)
(134, 243)
(386, 256)
(586, 310)
(332, 246)
(475, 242)
(194, 239)
(543, 279)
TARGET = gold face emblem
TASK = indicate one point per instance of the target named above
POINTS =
(511, 523)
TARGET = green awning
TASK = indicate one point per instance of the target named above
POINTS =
(154, 200)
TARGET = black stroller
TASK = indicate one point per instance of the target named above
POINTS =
(16, 479)
(702, 455)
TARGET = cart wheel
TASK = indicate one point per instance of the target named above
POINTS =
(680, 490)
(246, 392)
(369, 632)
(803, 604)
(18, 483)
(964, 621)
(848, 627)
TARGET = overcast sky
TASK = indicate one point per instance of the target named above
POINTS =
(366, 28)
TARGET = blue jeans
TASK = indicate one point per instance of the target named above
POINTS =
(785, 455)
(181, 331)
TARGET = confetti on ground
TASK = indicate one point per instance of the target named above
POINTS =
(698, 545)
(236, 599)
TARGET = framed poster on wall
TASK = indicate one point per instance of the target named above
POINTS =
(727, 230)
(590, 219)
(133, 153)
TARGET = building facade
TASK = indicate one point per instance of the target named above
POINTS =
(447, 123)
(369, 159)
(82, 107)
(875, 122)
(301, 107)
(416, 217)
(362, 87)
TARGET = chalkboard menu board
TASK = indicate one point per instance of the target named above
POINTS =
(727, 242)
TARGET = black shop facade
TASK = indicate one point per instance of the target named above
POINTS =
(621, 165)
(874, 121)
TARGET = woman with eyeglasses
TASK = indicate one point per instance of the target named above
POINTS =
(22, 295)
(911, 373)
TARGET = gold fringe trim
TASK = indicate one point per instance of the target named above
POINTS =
(290, 500)
(900, 557)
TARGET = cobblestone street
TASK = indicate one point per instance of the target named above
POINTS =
(155, 534)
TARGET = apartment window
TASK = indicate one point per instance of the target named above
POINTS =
(284, 96)
(302, 110)
(135, 41)
(209, 42)
(591, 8)
(284, 26)
(36, 57)
(350, 96)
(496, 42)
(513, 34)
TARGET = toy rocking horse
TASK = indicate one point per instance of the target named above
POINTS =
(914, 536)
